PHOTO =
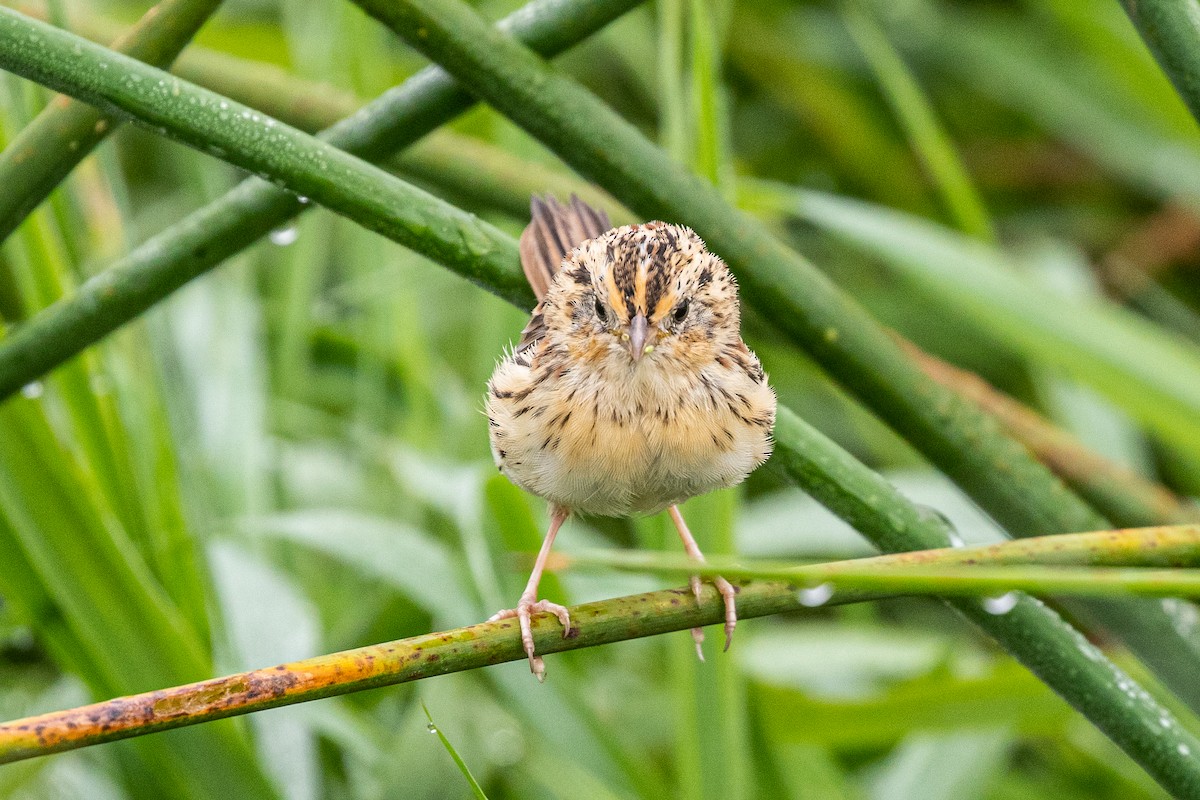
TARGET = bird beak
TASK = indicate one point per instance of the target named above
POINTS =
(639, 329)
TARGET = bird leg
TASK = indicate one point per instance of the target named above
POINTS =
(529, 604)
(723, 586)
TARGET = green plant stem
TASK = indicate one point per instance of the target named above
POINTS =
(255, 208)
(934, 581)
(1171, 29)
(1097, 564)
(41, 156)
(967, 445)
(1163, 546)
(386, 664)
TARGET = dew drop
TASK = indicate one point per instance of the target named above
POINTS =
(931, 514)
(431, 728)
(1184, 750)
(284, 236)
(814, 596)
(1000, 605)
(303, 200)
(33, 390)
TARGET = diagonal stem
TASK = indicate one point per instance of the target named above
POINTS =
(41, 156)
(386, 664)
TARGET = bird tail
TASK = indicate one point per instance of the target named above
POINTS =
(555, 230)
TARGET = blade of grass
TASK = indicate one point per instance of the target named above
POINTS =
(254, 209)
(476, 789)
(993, 468)
(672, 111)
(915, 113)
(41, 156)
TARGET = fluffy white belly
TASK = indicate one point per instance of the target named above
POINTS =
(625, 453)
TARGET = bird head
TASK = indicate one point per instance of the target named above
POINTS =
(641, 294)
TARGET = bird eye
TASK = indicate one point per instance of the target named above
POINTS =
(601, 314)
(680, 312)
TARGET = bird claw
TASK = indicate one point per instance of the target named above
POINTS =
(524, 611)
(729, 594)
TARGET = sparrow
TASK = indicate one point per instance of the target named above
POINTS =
(630, 389)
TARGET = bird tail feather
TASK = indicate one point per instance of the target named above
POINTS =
(553, 232)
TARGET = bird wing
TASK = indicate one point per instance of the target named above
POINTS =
(555, 230)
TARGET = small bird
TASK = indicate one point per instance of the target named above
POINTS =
(631, 389)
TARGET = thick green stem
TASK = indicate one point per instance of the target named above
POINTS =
(50, 146)
(1171, 29)
(386, 664)
(255, 208)
(966, 444)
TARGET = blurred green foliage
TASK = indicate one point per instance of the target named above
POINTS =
(289, 457)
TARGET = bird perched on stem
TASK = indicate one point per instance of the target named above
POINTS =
(631, 389)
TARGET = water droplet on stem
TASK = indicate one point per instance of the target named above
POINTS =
(814, 596)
